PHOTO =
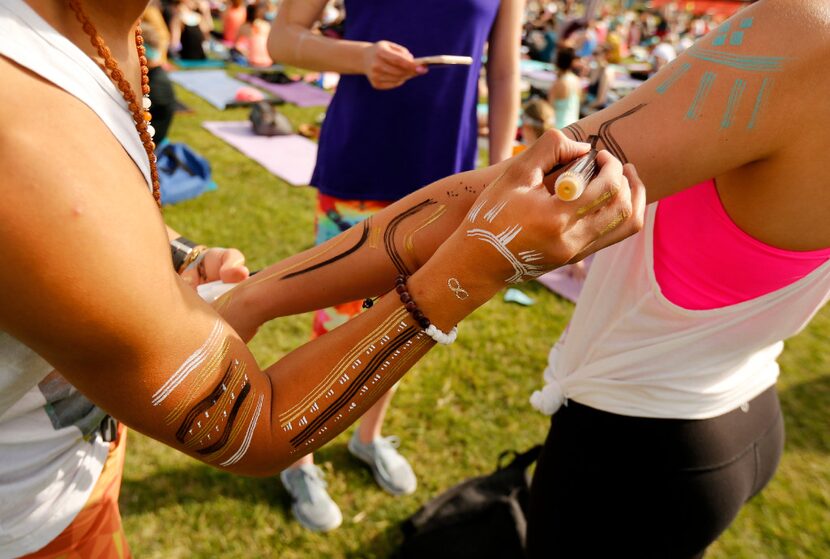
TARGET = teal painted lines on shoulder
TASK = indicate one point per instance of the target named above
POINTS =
(759, 100)
(722, 33)
(676, 75)
(746, 23)
(732, 103)
(703, 89)
(746, 63)
(736, 38)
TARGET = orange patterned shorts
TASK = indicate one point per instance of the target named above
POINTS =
(96, 531)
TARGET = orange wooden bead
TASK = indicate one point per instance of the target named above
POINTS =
(141, 116)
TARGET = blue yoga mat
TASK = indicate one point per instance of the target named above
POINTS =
(534, 66)
(214, 86)
(199, 64)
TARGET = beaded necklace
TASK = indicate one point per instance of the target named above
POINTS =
(141, 114)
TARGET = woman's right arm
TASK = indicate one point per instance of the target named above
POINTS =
(292, 42)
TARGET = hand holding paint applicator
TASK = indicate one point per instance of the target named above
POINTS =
(572, 182)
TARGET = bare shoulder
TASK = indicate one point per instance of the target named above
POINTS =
(800, 26)
(71, 195)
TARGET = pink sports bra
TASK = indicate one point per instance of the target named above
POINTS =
(702, 260)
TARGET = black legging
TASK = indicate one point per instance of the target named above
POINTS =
(613, 486)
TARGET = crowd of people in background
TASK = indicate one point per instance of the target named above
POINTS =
(597, 57)
(621, 39)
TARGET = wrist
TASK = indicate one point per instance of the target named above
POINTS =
(363, 58)
(448, 293)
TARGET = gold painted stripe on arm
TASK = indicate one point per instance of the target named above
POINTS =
(198, 382)
(411, 357)
(249, 435)
(374, 236)
(242, 418)
(409, 244)
(226, 298)
(324, 385)
(220, 404)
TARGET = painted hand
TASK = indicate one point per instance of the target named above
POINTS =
(518, 230)
(388, 65)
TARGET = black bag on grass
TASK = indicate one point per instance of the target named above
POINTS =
(482, 518)
(268, 121)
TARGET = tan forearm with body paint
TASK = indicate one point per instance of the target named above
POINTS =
(361, 262)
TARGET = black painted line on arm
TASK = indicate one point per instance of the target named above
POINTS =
(360, 242)
(357, 383)
(205, 403)
(223, 440)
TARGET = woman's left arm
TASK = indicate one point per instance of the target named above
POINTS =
(503, 78)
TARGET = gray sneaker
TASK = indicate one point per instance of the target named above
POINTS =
(311, 505)
(392, 472)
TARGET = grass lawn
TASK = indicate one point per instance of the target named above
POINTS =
(455, 412)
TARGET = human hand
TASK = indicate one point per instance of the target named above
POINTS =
(388, 65)
(218, 264)
(517, 230)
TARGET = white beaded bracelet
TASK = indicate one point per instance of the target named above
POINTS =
(442, 338)
(428, 328)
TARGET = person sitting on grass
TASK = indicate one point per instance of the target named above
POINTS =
(253, 36)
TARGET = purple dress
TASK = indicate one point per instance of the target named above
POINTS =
(382, 145)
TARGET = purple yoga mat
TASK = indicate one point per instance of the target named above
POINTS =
(291, 157)
(299, 93)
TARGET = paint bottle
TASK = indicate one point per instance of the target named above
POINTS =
(572, 182)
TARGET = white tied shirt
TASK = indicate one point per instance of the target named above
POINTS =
(628, 350)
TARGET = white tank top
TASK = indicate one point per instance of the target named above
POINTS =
(628, 350)
(50, 456)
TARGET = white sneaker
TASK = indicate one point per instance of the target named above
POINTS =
(391, 470)
(311, 506)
